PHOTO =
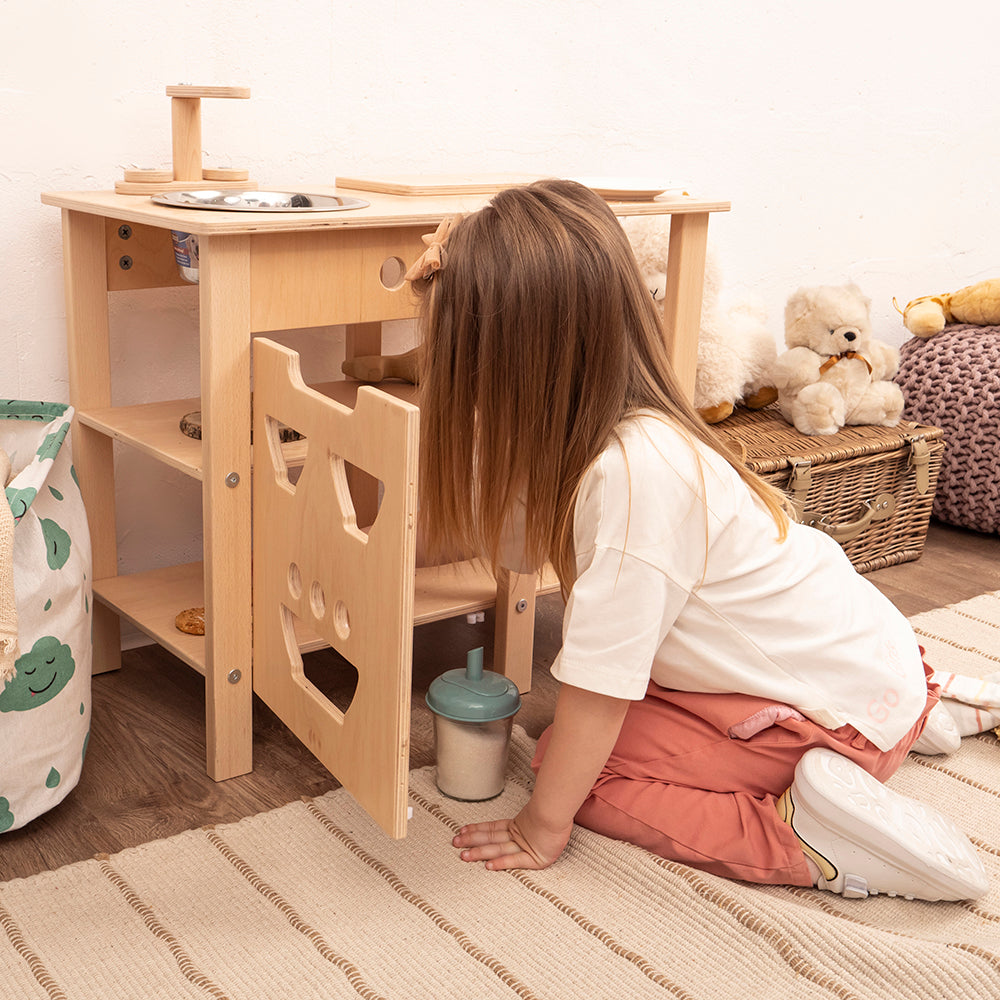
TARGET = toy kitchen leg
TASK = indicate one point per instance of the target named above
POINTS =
(361, 339)
(87, 340)
(226, 501)
(685, 283)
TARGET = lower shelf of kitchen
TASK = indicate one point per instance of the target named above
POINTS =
(152, 600)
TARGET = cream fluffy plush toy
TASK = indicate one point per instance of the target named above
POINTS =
(735, 349)
(834, 372)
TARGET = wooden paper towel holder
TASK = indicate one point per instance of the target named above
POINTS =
(188, 174)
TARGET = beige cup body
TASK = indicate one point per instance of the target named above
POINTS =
(471, 757)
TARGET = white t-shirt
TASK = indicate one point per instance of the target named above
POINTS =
(681, 578)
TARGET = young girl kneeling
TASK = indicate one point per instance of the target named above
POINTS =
(732, 691)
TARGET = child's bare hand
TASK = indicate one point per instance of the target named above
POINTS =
(511, 843)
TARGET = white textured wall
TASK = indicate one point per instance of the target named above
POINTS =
(855, 140)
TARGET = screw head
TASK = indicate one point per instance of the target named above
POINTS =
(233, 480)
(124, 232)
(521, 606)
(125, 262)
(234, 676)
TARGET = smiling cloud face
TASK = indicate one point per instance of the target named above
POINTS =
(41, 674)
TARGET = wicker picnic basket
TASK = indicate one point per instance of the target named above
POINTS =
(871, 488)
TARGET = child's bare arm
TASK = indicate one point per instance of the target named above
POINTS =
(584, 733)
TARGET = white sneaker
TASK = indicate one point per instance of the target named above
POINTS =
(940, 733)
(866, 839)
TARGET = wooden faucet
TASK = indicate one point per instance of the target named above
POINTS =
(188, 173)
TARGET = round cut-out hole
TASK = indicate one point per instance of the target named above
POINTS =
(317, 599)
(341, 620)
(392, 273)
(294, 580)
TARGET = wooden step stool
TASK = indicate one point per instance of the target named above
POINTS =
(358, 592)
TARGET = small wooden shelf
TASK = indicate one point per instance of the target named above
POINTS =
(152, 600)
(153, 428)
(461, 589)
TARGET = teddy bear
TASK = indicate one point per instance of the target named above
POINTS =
(978, 304)
(834, 372)
(735, 348)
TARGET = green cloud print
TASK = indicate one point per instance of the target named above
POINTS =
(41, 675)
(52, 443)
(57, 543)
(20, 500)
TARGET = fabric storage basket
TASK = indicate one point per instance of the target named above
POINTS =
(45, 609)
(871, 488)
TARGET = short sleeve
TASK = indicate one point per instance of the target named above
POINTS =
(617, 615)
(639, 532)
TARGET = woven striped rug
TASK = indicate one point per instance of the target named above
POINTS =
(311, 901)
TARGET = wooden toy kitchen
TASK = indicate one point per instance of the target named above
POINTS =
(287, 563)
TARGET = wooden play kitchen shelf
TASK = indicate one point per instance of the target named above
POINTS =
(260, 272)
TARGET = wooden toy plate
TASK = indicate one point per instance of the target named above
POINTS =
(630, 188)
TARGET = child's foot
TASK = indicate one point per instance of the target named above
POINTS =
(866, 839)
(973, 703)
(940, 734)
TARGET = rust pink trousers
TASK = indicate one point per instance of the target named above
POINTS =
(680, 785)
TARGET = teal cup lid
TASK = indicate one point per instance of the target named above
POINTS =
(473, 694)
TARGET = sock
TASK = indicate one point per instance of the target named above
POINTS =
(972, 702)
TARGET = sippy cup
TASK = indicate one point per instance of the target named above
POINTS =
(473, 712)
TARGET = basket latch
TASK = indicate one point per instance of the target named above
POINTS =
(919, 461)
(799, 480)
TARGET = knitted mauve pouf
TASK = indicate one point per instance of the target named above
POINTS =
(952, 381)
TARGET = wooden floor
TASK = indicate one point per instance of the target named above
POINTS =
(144, 777)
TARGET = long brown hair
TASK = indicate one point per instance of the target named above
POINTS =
(539, 337)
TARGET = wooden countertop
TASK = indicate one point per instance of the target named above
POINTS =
(384, 210)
